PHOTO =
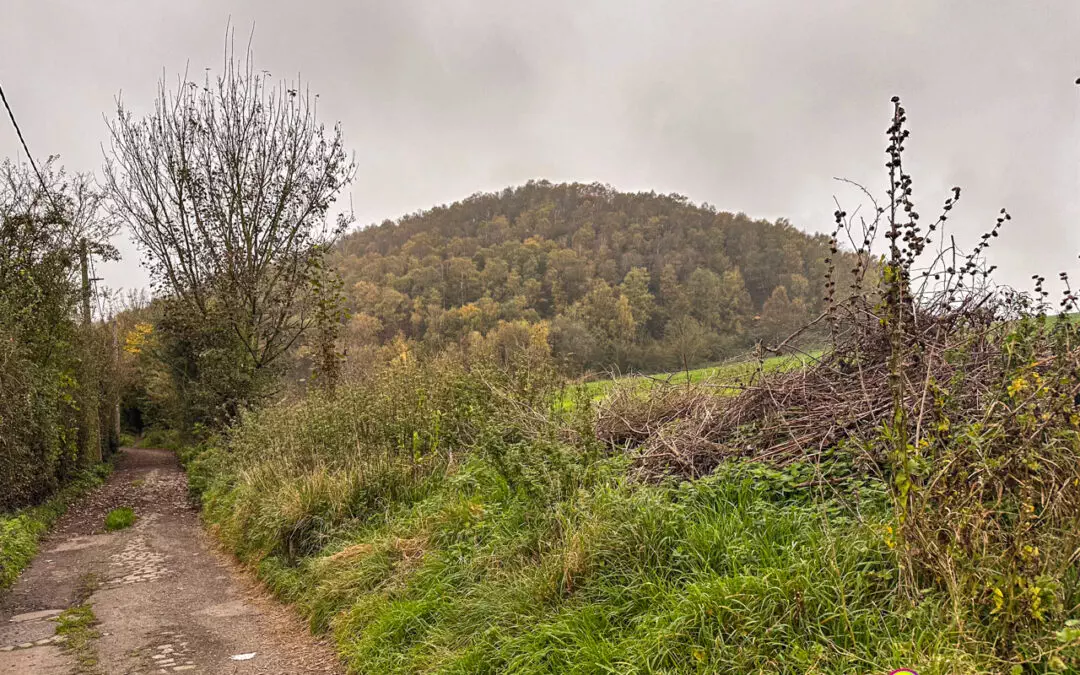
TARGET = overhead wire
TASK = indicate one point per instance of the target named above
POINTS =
(45, 189)
(22, 139)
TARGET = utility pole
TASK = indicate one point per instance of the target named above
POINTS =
(85, 282)
(90, 398)
(116, 375)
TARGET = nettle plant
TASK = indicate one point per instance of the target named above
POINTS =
(980, 431)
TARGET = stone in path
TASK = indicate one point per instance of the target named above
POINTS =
(165, 598)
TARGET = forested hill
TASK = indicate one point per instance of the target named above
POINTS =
(637, 280)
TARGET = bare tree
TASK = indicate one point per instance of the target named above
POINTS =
(686, 338)
(227, 188)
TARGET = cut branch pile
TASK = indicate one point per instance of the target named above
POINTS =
(843, 396)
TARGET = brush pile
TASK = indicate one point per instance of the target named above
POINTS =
(845, 395)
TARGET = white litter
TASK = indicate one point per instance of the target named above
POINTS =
(243, 657)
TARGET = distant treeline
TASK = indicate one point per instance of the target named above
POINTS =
(628, 280)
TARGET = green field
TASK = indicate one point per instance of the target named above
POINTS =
(728, 376)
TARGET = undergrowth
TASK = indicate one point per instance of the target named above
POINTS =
(21, 530)
(525, 547)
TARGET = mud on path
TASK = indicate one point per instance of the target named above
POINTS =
(165, 599)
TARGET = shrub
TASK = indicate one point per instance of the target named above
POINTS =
(53, 371)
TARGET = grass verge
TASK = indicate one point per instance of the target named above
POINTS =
(732, 573)
(431, 524)
(21, 531)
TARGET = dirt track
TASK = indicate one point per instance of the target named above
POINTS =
(165, 599)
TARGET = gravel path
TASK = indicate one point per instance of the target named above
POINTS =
(166, 600)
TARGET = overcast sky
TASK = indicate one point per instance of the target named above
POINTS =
(749, 105)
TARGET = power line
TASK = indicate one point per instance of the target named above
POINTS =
(22, 140)
(44, 186)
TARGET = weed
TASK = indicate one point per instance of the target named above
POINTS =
(76, 625)
(119, 519)
(87, 584)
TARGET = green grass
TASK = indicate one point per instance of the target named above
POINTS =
(20, 531)
(120, 519)
(728, 574)
(76, 624)
(528, 553)
(726, 377)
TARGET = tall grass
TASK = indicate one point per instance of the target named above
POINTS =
(447, 517)
(293, 475)
(715, 576)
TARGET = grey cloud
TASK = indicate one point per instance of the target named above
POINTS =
(752, 106)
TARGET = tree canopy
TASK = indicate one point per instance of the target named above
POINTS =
(615, 274)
